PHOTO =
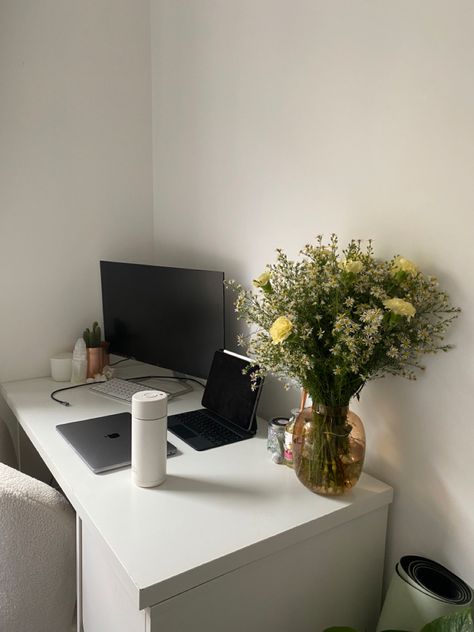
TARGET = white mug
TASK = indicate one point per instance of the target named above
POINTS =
(61, 367)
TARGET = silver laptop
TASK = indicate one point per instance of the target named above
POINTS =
(104, 443)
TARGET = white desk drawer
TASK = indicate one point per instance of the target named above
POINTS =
(334, 578)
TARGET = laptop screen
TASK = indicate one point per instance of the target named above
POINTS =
(228, 390)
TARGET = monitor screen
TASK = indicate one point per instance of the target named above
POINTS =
(169, 317)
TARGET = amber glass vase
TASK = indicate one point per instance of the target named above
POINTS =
(328, 448)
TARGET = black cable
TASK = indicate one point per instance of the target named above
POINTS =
(122, 360)
(66, 388)
(129, 379)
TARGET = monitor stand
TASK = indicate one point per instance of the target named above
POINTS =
(164, 385)
(187, 388)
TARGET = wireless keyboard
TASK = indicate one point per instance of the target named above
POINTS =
(122, 390)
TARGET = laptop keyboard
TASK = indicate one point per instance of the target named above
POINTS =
(202, 424)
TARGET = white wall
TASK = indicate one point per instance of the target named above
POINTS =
(276, 120)
(75, 166)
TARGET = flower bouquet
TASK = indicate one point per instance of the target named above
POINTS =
(331, 322)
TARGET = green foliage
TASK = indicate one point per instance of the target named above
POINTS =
(457, 622)
(332, 321)
(93, 337)
(460, 621)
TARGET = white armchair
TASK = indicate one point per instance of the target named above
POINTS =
(37, 556)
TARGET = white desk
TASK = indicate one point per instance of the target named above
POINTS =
(229, 542)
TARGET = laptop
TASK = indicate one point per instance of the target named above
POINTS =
(103, 443)
(229, 406)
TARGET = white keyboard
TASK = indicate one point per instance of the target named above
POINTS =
(120, 389)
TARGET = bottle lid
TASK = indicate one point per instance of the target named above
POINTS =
(149, 405)
(279, 422)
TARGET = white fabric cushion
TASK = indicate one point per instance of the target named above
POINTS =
(37, 556)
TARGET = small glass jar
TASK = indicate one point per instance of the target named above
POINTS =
(276, 438)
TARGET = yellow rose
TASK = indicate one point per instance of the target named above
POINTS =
(404, 265)
(281, 329)
(350, 265)
(400, 307)
(263, 281)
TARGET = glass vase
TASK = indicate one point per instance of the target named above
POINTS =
(328, 448)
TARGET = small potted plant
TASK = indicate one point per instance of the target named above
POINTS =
(96, 350)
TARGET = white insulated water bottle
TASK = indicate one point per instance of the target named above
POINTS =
(149, 425)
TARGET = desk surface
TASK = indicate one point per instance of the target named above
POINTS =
(216, 511)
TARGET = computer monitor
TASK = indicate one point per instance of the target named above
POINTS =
(169, 317)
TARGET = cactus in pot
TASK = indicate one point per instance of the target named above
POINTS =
(93, 337)
(95, 350)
